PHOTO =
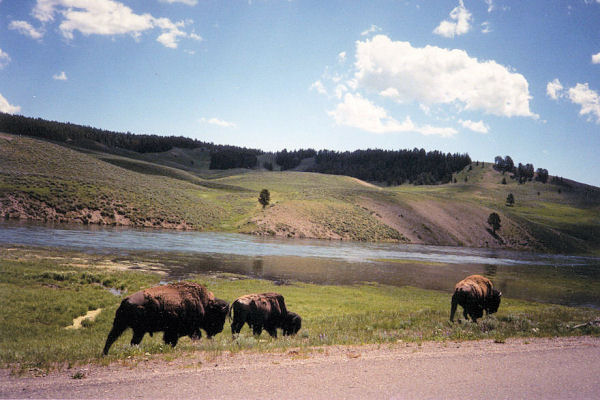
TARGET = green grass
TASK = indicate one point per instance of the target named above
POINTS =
(41, 297)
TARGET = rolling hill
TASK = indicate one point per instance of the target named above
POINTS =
(55, 182)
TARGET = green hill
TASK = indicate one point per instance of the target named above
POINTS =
(44, 181)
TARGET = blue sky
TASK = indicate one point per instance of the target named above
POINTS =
(487, 77)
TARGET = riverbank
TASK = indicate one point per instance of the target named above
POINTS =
(42, 295)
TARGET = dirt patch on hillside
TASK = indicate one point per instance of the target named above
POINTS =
(292, 221)
(447, 223)
(21, 206)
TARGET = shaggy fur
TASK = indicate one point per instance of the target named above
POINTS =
(475, 294)
(177, 309)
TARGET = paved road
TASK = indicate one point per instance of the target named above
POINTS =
(565, 368)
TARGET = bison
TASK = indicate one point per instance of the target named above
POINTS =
(177, 309)
(265, 310)
(475, 294)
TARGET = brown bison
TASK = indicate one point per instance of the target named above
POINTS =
(177, 309)
(475, 294)
(265, 310)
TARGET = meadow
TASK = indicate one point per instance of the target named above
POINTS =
(41, 296)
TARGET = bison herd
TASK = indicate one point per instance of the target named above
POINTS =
(185, 308)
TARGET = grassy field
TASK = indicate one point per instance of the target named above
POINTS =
(41, 296)
(47, 182)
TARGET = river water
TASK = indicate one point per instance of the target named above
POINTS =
(563, 279)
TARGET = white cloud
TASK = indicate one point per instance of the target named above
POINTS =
(358, 112)
(479, 127)
(171, 32)
(218, 122)
(588, 99)
(318, 86)
(60, 77)
(342, 57)
(188, 2)
(25, 28)
(195, 36)
(8, 108)
(596, 58)
(372, 29)
(554, 89)
(461, 17)
(485, 27)
(107, 17)
(432, 75)
(390, 92)
(340, 90)
(4, 59)
(490, 4)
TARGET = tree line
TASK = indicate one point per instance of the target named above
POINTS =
(222, 156)
(391, 167)
(522, 173)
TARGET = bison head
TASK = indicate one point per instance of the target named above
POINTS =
(493, 302)
(216, 312)
(291, 324)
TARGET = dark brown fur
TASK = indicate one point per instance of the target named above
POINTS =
(178, 309)
(475, 294)
(264, 310)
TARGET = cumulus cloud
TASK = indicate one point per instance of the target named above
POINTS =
(319, 87)
(580, 94)
(188, 2)
(459, 24)
(554, 89)
(596, 58)
(25, 28)
(4, 59)
(342, 56)
(587, 99)
(372, 29)
(106, 17)
(479, 127)
(8, 108)
(358, 112)
(433, 75)
(60, 77)
(218, 122)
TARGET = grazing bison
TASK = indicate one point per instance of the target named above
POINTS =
(291, 324)
(265, 310)
(475, 294)
(177, 309)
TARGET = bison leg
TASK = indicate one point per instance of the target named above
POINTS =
(137, 337)
(272, 330)
(114, 334)
(171, 337)
(196, 335)
(257, 329)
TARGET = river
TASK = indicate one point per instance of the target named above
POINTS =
(562, 279)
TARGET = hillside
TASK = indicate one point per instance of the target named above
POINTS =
(174, 189)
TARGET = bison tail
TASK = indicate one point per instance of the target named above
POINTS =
(453, 307)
